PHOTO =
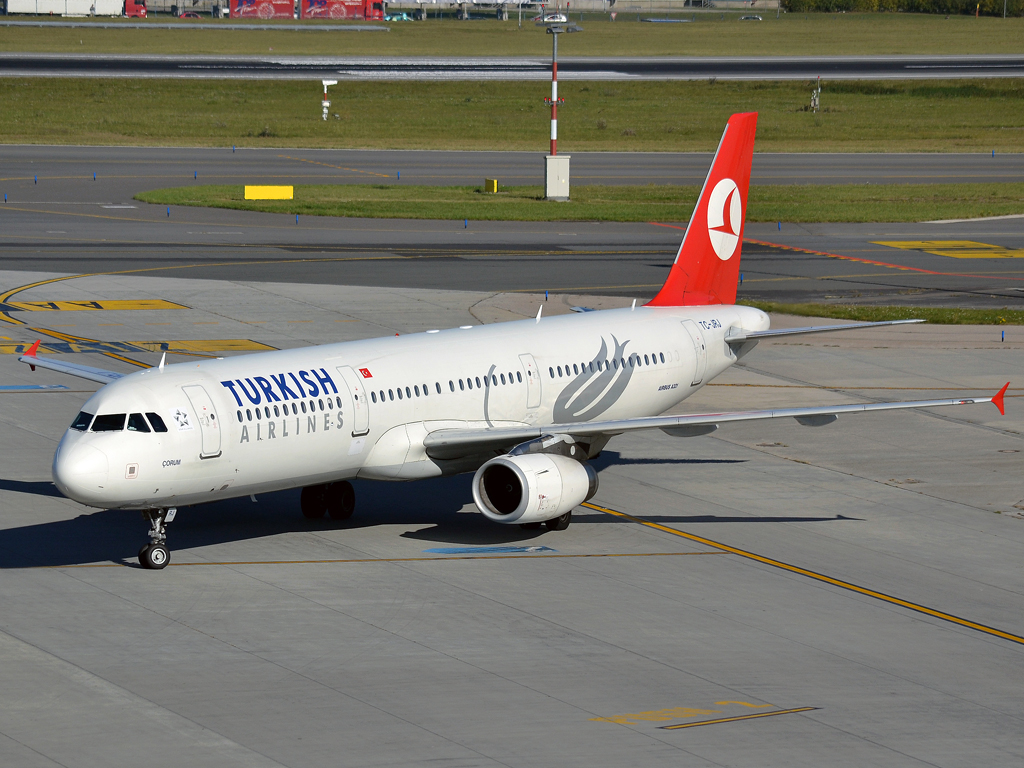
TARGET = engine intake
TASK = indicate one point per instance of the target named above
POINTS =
(532, 488)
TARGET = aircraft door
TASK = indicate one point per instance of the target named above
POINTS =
(700, 349)
(360, 414)
(209, 427)
(532, 380)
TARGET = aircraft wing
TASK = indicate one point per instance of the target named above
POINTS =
(455, 443)
(738, 335)
(82, 371)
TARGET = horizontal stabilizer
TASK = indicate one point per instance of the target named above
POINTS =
(738, 335)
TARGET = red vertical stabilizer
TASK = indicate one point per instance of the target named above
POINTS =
(707, 266)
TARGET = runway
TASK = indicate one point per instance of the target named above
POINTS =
(522, 68)
(125, 171)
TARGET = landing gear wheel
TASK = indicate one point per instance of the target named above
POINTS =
(559, 523)
(313, 502)
(142, 553)
(530, 526)
(155, 557)
(340, 500)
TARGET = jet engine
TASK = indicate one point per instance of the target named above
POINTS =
(532, 488)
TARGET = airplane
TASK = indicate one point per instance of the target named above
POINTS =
(524, 404)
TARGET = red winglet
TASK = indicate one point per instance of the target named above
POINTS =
(31, 351)
(998, 399)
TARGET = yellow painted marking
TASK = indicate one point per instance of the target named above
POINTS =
(546, 556)
(108, 304)
(743, 704)
(657, 715)
(956, 249)
(269, 193)
(679, 726)
(814, 575)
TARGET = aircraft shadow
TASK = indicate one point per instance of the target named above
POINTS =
(116, 535)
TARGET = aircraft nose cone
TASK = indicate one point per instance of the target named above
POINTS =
(80, 472)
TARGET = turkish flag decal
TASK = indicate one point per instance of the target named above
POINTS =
(366, 373)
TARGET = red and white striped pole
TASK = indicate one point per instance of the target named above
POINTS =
(554, 94)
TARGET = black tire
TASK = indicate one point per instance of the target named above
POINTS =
(157, 557)
(530, 526)
(560, 523)
(142, 553)
(313, 502)
(340, 500)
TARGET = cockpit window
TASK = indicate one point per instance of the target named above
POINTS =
(82, 421)
(109, 422)
(157, 422)
(137, 424)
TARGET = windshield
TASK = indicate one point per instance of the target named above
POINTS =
(82, 421)
(109, 422)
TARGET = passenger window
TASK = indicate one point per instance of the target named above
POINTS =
(82, 421)
(259, 414)
(110, 422)
(391, 395)
(469, 383)
(552, 372)
(451, 385)
(438, 385)
(248, 415)
(373, 396)
(321, 404)
(416, 389)
(408, 393)
(239, 414)
(265, 410)
(503, 378)
(575, 369)
(461, 386)
(519, 378)
(302, 405)
(382, 395)
(137, 424)
(559, 371)
(277, 411)
(662, 356)
(478, 382)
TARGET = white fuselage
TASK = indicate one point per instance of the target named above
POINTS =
(290, 418)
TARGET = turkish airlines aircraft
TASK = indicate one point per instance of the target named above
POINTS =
(523, 404)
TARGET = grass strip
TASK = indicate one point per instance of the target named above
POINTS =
(708, 34)
(935, 315)
(857, 116)
(789, 203)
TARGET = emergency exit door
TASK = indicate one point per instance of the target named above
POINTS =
(206, 415)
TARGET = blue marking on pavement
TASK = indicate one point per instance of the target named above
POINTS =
(28, 387)
(486, 550)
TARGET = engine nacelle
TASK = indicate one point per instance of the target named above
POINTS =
(532, 488)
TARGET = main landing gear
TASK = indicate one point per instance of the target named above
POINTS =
(559, 523)
(155, 555)
(335, 499)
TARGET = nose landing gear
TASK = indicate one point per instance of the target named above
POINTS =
(155, 555)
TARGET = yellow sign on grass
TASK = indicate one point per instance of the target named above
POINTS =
(268, 193)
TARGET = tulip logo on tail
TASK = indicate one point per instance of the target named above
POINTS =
(725, 215)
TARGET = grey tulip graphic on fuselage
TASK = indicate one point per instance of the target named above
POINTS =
(596, 388)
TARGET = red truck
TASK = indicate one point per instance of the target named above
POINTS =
(262, 9)
(370, 10)
(135, 9)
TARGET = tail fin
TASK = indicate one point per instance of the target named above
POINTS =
(707, 266)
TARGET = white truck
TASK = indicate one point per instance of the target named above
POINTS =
(67, 7)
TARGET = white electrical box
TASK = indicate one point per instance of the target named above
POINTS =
(556, 177)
